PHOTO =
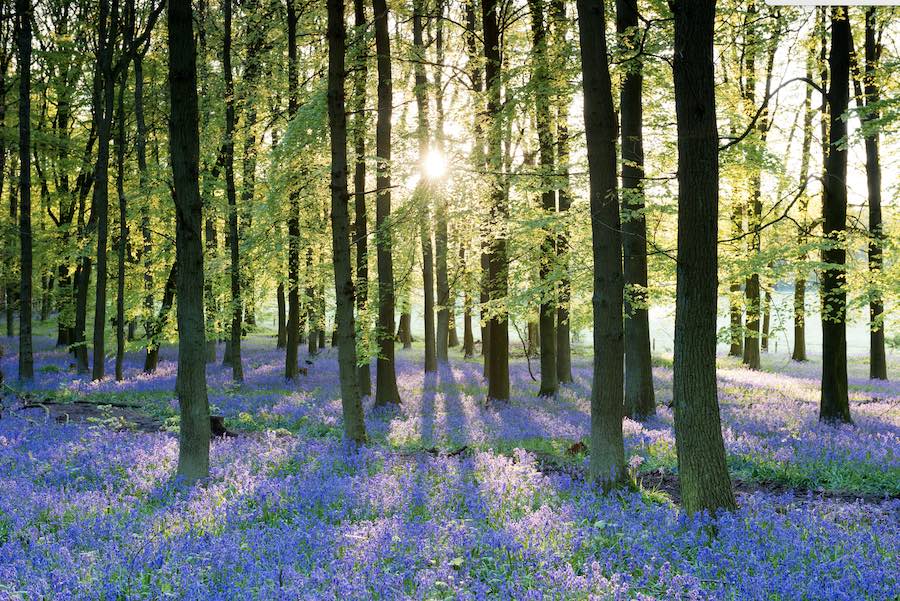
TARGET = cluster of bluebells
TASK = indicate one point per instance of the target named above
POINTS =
(88, 513)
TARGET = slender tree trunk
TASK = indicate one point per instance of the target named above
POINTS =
(386, 392)
(9, 275)
(803, 229)
(108, 22)
(234, 350)
(639, 398)
(123, 228)
(293, 321)
(155, 326)
(23, 42)
(282, 319)
(607, 465)
(446, 337)
(563, 334)
(702, 471)
(547, 311)
(360, 226)
(754, 204)
(141, 151)
(354, 426)
(184, 150)
(424, 191)
(877, 356)
(835, 403)
(767, 314)
(498, 260)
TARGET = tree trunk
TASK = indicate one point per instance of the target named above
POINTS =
(639, 398)
(446, 337)
(293, 321)
(123, 228)
(282, 326)
(835, 403)
(155, 326)
(702, 471)
(607, 465)
(563, 327)
(100, 205)
(233, 355)
(23, 40)
(767, 315)
(184, 150)
(498, 260)
(386, 392)
(354, 426)
(543, 89)
(141, 150)
(424, 191)
(9, 276)
(803, 229)
(877, 356)
(359, 194)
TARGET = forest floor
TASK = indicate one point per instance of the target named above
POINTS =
(452, 498)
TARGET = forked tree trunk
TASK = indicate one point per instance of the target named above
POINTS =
(702, 471)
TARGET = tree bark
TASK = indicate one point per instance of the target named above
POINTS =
(23, 42)
(799, 351)
(702, 471)
(877, 355)
(446, 337)
(563, 334)
(184, 150)
(293, 322)
(547, 311)
(835, 403)
(640, 401)
(123, 228)
(281, 340)
(100, 206)
(607, 464)
(386, 392)
(497, 259)
(360, 227)
(354, 426)
(233, 356)
(155, 326)
(424, 191)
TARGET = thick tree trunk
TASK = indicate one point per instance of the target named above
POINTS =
(233, 354)
(184, 150)
(293, 321)
(543, 90)
(497, 259)
(23, 43)
(360, 227)
(702, 471)
(354, 426)
(386, 392)
(563, 335)
(607, 465)
(639, 398)
(835, 403)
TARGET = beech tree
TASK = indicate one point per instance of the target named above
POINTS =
(702, 472)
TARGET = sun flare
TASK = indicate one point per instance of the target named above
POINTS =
(434, 165)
